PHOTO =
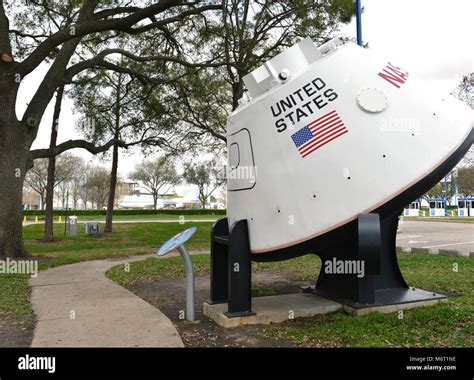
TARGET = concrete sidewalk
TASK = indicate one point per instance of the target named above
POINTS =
(78, 306)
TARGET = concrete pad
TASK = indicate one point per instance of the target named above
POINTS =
(273, 309)
(78, 306)
(391, 308)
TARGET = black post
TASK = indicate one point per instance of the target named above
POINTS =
(368, 229)
(361, 245)
(219, 260)
(240, 271)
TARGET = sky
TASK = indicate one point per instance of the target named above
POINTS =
(429, 38)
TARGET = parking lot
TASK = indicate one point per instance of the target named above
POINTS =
(434, 236)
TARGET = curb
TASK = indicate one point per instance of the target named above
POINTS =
(428, 219)
(420, 250)
(448, 252)
(438, 252)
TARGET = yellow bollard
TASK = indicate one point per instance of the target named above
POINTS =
(36, 219)
(24, 220)
(60, 219)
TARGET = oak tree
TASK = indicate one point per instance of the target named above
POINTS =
(57, 33)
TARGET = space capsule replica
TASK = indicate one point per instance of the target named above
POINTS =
(326, 148)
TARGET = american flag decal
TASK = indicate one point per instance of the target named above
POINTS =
(318, 133)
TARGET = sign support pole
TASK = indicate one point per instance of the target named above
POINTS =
(359, 22)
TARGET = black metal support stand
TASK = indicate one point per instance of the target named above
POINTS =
(219, 259)
(231, 267)
(371, 242)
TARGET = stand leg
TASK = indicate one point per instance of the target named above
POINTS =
(219, 260)
(240, 272)
(371, 242)
(190, 286)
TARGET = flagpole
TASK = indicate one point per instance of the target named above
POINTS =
(359, 22)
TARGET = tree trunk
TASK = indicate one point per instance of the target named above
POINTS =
(42, 200)
(237, 92)
(84, 197)
(202, 199)
(48, 221)
(113, 185)
(155, 201)
(12, 174)
(15, 143)
(63, 200)
(113, 172)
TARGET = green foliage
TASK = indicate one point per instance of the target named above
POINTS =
(437, 191)
(156, 175)
(465, 181)
(206, 175)
(242, 38)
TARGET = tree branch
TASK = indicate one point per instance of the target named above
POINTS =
(124, 24)
(35, 37)
(115, 11)
(72, 144)
(99, 61)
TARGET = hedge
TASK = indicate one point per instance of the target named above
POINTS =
(128, 212)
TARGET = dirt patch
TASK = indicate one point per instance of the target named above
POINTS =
(169, 296)
(16, 331)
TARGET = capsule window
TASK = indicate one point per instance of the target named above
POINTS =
(242, 174)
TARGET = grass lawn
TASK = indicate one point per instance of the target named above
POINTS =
(446, 324)
(449, 324)
(14, 295)
(452, 218)
(127, 239)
